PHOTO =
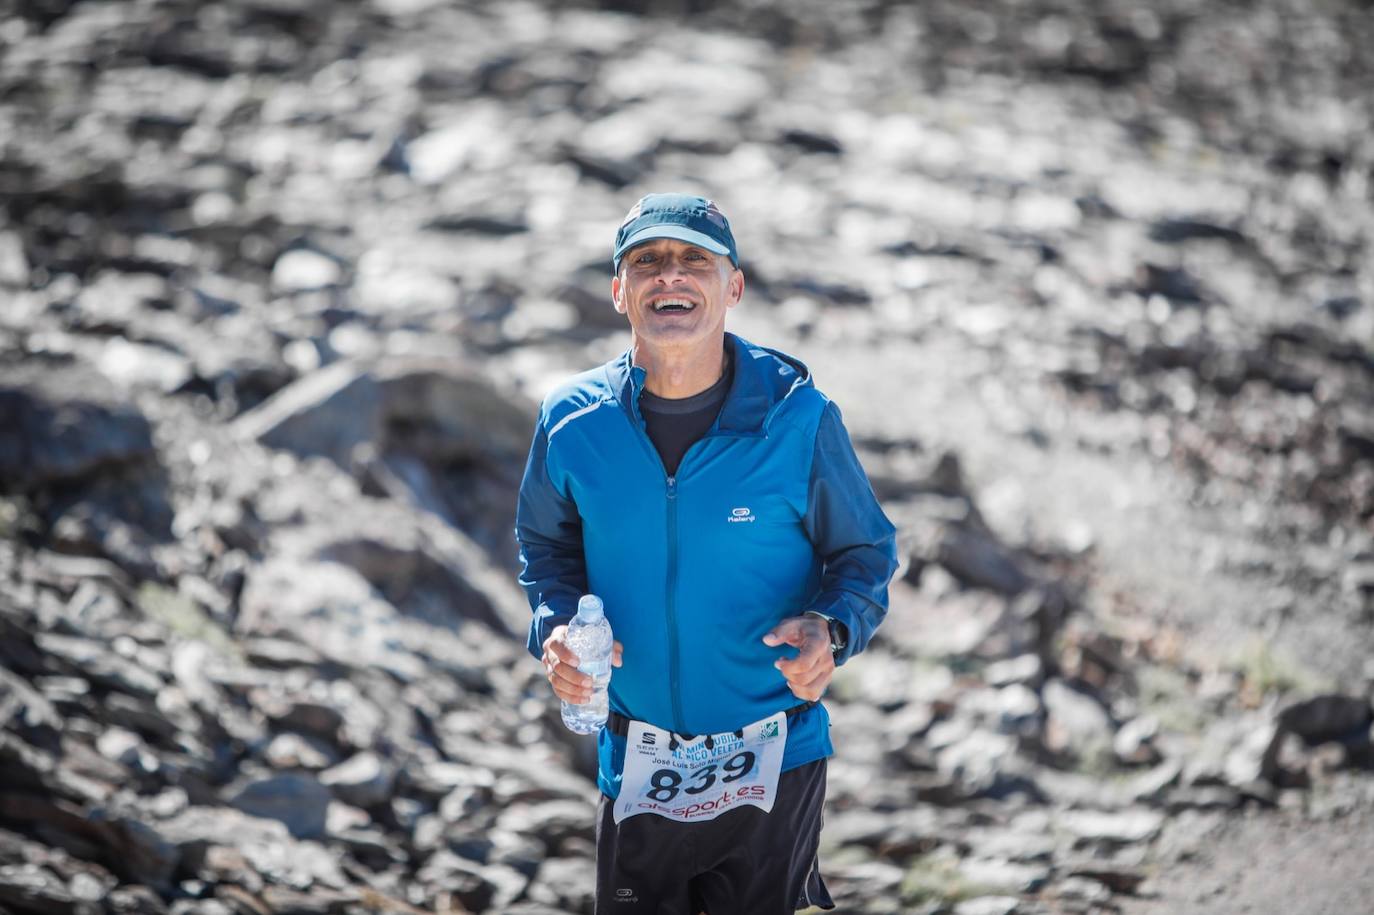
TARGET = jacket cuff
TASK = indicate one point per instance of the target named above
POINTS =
(545, 621)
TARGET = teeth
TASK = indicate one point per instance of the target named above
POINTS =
(669, 303)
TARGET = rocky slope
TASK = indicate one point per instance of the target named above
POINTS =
(280, 282)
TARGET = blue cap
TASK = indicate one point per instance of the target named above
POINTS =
(695, 220)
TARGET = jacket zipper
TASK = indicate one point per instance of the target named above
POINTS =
(673, 661)
(670, 481)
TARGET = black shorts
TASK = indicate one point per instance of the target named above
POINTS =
(744, 862)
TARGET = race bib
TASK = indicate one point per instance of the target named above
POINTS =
(696, 780)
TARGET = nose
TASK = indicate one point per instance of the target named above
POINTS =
(669, 271)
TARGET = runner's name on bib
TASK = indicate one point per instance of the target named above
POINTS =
(696, 780)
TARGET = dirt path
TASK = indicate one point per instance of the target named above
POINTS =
(1276, 863)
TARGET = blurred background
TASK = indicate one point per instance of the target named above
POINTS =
(281, 282)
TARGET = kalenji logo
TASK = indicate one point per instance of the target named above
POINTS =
(738, 515)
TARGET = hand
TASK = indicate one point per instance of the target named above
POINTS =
(560, 667)
(809, 673)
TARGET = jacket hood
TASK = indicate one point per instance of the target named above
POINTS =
(764, 379)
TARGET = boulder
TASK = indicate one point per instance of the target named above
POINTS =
(1329, 717)
(61, 430)
(1075, 721)
(295, 799)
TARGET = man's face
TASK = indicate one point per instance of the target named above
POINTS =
(675, 293)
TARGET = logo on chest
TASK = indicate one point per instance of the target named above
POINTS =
(740, 515)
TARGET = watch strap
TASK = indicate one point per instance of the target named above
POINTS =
(836, 629)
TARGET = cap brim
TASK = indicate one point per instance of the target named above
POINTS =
(680, 233)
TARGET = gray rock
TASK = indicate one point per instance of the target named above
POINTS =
(280, 653)
(1013, 710)
(203, 907)
(138, 852)
(28, 887)
(988, 905)
(315, 902)
(134, 900)
(98, 664)
(984, 764)
(1075, 721)
(996, 876)
(977, 559)
(1118, 878)
(564, 884)
(1027, 669)
(61, 430)
(1254, 757)
(266, 844)
(1149, 786)
(1133, 743)
(447, 413)
(295, 799)
(14, 265)
(139, 365)
(27, 712)
(1330, 717)
(303, 270)
(1082, 890)
(298, 751)
(1202, 797)
(1123, 827)
(127, 749)
(480, 887)
(364, 780)
(319, 718)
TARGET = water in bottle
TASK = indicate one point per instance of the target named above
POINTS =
(589, 636)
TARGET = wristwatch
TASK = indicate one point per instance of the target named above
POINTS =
(839, 637)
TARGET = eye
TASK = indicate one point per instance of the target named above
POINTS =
(644, 257)
(694, 256)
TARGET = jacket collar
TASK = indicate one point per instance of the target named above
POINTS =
(763, 379)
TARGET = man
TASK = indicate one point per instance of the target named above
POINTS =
(709, 494)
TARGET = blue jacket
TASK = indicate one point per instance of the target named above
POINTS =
(769, 515)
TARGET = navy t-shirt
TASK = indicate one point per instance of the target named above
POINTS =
(674, 423)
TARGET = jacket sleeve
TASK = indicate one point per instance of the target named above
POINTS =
(855, 540)
(549, 531)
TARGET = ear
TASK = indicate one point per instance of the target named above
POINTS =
(618, 294)
(735, 289)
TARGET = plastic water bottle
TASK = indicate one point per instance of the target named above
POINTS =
(589, 636)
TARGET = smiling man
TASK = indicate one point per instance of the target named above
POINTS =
(709, 494)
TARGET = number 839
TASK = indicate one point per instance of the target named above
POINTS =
(666, 783)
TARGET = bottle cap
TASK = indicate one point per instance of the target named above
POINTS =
(589, 607)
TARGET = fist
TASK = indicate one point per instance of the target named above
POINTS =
(809, 673)
(560, 667)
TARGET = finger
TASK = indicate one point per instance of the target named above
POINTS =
(557, 645)
(617, 654)
(575, 695)
(812, 650)
(559, 649)
(570, 676)
(820, 674)
(802, 664)
(788, 632)
(812, 688)
(567, 685)
(817, 680)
